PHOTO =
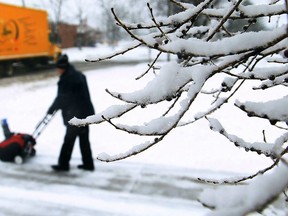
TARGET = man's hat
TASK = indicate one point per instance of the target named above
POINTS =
(62, 62)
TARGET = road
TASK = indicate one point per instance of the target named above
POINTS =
(122, 189)
(39, 73)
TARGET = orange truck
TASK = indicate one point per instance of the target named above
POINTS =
(24, 38)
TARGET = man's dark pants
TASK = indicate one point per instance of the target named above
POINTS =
(66, 151)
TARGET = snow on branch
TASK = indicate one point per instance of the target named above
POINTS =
(265, 73)
(155, 127)
(268, 149)
(166, 85)
(271, 110)
(220, 48)
(131, 152)
(249, 11)
(114, 111)
(244, 199)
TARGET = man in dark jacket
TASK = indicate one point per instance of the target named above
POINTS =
(73, 99)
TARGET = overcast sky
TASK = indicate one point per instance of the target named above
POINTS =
(93, 9)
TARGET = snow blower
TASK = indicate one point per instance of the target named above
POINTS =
(19, 146)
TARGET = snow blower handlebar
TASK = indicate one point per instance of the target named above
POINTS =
(42, 125)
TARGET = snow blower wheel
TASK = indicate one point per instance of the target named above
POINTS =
(18, 159)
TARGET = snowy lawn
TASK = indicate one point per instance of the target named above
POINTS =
(195, 146)
(192, 149)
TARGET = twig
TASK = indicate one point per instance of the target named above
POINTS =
(178, 4)
(154, 20)
(132, 152)
(213, 109)
(260, 172)
(126, 29)
(156, 133)
(223, 20)
(115, 54)
(264, 136)
(173, 104)
(150, 66)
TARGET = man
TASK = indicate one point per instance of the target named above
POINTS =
(73, 98)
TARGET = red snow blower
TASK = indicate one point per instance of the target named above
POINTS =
(19, 146)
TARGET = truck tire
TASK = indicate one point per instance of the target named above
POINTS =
(9, 69)
(6, 69)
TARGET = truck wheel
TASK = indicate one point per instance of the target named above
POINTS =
(9, 70)
(6, 69)
(18, 159)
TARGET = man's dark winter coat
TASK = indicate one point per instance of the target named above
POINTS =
(73, 96)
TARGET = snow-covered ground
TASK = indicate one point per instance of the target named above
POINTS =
(156, 182)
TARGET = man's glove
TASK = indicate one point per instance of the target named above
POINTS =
(50, 110)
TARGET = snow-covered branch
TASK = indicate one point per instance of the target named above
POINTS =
(271, 110)
(244, 199)
(114, 111)
(268, 149)
(205, 47)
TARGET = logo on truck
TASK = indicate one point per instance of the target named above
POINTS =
(9, 31)
(17, 32)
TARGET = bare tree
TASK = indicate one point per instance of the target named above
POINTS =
(203, 52)
(56, 7)
(112, 33)
(82, 22)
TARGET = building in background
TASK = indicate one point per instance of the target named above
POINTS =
(67, 35)
(78, 35)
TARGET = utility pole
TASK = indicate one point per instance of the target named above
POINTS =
(23, 3)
